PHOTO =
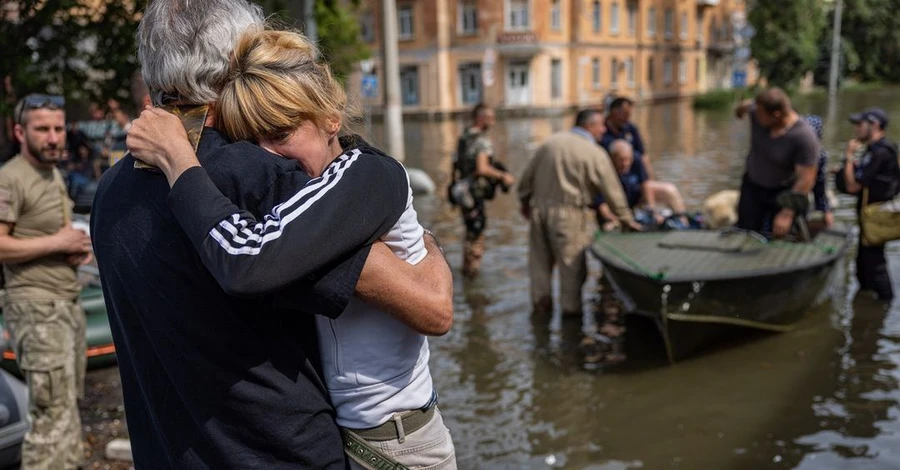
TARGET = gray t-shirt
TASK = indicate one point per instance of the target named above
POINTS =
(771, 161)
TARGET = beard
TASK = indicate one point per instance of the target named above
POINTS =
(49, 154)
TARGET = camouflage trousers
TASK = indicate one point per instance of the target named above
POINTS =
(473, 246)
(49, 342)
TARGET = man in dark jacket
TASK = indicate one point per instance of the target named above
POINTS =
(877, 176)
(212, 380)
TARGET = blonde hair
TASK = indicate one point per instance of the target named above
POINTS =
(274, 84)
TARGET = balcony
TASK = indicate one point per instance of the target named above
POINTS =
(518, 44)
(517, 37)
(707, 3)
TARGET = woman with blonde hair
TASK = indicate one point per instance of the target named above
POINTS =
(375, 367)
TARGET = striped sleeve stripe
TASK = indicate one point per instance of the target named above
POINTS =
(312, 187)
(235, 238)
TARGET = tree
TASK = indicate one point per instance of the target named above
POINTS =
(339, 37)
(786, 42)
(871, 33)
(82, 49)
(338, 31)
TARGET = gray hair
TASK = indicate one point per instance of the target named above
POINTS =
(620, 147)
(184, 46)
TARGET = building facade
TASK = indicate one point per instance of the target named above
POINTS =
(554, 54)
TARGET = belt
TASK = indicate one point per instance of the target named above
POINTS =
(367, 456)
(411, 421)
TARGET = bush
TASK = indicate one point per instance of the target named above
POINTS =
(717, 99)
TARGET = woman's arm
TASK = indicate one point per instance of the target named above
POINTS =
(421, 295)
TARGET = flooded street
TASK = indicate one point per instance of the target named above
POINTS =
(516, 394)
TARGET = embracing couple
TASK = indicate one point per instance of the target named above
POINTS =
(270, 307)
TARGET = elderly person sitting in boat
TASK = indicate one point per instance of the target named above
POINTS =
(635, 181)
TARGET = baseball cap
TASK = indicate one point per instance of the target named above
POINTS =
(872, 115)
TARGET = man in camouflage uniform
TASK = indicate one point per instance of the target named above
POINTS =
(475, 159)
(40, 252)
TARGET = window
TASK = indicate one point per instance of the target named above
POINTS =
(597, 16)
(682, 71)
(683, 28)
(632, 19)
(629, 71)
(651, 22)
(556, 79)
(669, 23)
(650, 70)
(595, 73)
(470, 83)
(714, 30)
(700, 27)
(555, 16)
(667, 71)
(405, 22)
(697, 70)
(367, 27)
(467, 22)
(517, 20)
(409, 85)
(614, 73)
(614, 18)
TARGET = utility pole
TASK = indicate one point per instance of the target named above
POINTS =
(303, 13)
(835, 49)
(393, 114)
(309, 19)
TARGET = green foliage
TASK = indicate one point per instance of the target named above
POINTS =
(337, 27)
(870, 30)
(786, 45)
(55, 43)
(339, 37)
(716, 99)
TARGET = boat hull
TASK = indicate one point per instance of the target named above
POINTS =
(695, 314)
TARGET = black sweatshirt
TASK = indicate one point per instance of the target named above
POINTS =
(212, 380)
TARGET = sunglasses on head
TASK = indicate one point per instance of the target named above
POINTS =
(40, 101)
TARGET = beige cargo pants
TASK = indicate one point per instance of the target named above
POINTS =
(559, 237)
(48, 339)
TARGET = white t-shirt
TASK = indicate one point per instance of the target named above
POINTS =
(374, 365)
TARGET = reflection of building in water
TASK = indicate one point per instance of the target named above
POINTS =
(550, 54)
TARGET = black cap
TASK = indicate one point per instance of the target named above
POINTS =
(872, 115)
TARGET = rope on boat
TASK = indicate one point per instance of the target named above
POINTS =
(658, 276)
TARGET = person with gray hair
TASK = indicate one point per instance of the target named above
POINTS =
(220, 370)
(635, 181)
(556, 188)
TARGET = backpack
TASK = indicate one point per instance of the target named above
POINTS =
(459, 191)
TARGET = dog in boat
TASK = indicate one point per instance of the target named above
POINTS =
(721, 209)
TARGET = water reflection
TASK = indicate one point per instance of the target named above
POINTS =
(514, 391)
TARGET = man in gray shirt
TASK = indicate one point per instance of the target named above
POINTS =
(783, 157)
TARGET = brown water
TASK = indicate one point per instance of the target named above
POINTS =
(516, 394)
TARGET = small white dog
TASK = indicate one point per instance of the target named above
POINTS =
(720, 209)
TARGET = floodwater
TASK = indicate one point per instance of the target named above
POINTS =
(515, 391)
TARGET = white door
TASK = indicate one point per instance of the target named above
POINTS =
(518, 86)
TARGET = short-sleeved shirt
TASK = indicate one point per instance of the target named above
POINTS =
(772, 162)
(35, 202)
(471, 143)
(212, 380)
(878, 171)
(628, 133)
(632, 182)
